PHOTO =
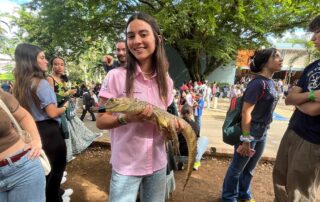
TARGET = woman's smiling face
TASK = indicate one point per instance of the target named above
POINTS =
(140, 40)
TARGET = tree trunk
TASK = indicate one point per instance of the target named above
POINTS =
(192, 63)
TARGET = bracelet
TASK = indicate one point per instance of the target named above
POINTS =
(121, 119)
(246, 138)
(245, 133)
(311, 96)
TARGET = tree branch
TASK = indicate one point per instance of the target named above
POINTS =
(148, 4)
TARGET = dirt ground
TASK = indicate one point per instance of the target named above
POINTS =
(89, 175)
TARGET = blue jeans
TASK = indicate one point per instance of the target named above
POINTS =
(237, 181)
(202, 144)
(125, 188)
(23, 180)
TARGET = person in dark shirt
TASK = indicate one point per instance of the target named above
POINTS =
(88, 102)
(259, 101)
(108, 61)
(202, 142)
(296, 173)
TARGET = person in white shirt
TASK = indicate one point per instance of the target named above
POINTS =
(189, 99)
(208, 95)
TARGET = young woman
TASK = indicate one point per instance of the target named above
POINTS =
(138, 154)
(21, 172)
(259, 101)
(80, 137)
(35, 94)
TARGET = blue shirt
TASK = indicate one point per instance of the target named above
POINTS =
(46, 96)
(262, 93)
(308, 127)
(200, 107)
(5, 87)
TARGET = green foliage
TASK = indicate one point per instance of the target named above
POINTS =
(217, 29)
(209, 30)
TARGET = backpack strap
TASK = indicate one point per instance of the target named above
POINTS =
(55, 84)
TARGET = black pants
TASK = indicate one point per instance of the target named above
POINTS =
(55, 148)
(84, 112)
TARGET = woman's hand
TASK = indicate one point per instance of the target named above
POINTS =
(66, 105)
(35, 146)
(143, 116)
(244, 149)
(179, 124)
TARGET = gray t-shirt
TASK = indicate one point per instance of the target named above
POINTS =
(46, 96)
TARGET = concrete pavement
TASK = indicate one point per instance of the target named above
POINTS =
(212, 122)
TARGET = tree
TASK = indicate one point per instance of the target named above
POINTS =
(200, 30)
(217, 29)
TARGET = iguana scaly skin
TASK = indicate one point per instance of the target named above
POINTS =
(164, 121)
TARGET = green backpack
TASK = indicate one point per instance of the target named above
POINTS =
(231, 129)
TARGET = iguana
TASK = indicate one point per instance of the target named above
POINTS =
(164, 121)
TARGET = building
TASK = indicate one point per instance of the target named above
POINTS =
(295, 59)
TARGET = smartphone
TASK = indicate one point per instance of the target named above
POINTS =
(62, 102)
(252, 151)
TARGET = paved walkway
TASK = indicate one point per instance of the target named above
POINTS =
(212, 122)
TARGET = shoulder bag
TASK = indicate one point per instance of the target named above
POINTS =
(27, 138)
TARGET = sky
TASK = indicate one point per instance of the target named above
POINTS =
(7, 6)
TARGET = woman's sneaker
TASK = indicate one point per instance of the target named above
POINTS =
(196, 165)
(66, 199)
(64, 179)
(67, 193)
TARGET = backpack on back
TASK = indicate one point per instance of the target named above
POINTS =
(231, 129)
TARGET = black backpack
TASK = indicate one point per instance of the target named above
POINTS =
(231, 129)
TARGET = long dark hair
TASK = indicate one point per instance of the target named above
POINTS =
(27, 74)
(160, 62)
(260, 58)
(314, 25)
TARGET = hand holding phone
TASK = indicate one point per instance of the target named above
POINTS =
(240, 151)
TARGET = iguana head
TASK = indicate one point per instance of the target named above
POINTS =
(120, 104)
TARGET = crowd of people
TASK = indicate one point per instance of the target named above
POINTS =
(45, 106)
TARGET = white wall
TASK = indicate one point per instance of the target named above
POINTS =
(223, 74)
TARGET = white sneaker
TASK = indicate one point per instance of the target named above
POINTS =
(67, 193)
(98, 135)
(66, 199)
(65, 173)
(64, 179)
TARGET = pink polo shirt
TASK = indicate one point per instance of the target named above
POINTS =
(137, 148)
